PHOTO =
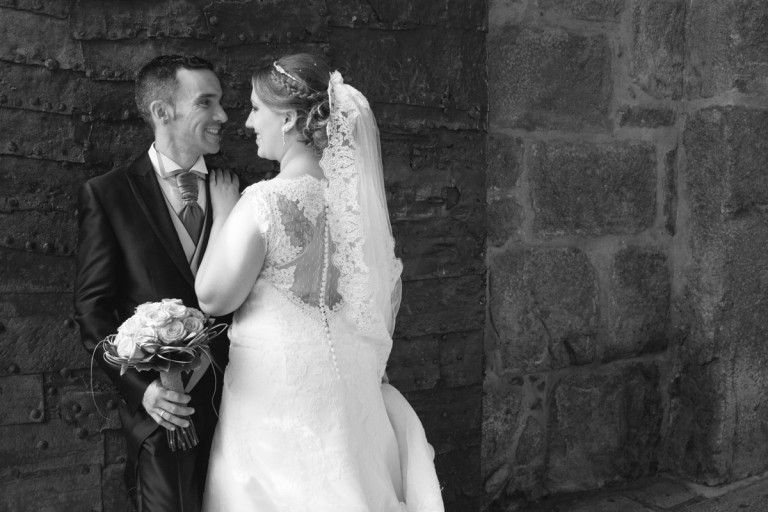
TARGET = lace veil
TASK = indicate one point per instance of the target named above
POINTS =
(369, 273)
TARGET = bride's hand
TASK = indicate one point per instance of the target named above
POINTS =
(225, 191)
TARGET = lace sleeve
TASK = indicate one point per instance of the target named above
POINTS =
(259, 200)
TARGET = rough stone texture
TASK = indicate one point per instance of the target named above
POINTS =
(594, 10)
(717, 411)
(504, 213)
(604, 427)
(640, 302)
(728, 50)
(641, 117)
(543, 310)
(593, 190)
(658, 47)
(548, 78)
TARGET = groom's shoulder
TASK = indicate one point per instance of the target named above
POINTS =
(115, 179)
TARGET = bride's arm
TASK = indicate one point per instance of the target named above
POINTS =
(233, 258)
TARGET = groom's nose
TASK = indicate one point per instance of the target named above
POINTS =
(220, 116)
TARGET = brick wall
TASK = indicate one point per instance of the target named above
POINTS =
(626, 199)
(67, 113)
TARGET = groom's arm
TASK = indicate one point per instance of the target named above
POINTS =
(96, 292)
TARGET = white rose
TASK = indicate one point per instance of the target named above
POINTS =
(156, 315)
(172, 301)
(172, 332)
(127, 347)
(177, 311)
(196, 313)
(193, 325)
(131, 325)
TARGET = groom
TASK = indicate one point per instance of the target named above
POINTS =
(142, 233)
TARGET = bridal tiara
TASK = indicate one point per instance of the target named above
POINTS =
(282, 71)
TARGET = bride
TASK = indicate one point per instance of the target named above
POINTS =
(306, 261)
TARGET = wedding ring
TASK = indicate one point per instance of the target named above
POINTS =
(162, 415)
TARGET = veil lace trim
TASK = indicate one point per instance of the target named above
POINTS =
(350, 222)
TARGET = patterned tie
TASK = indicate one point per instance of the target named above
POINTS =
(191, 214)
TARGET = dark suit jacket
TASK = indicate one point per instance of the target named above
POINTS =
(129, 253)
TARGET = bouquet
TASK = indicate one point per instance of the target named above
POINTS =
(168, 337)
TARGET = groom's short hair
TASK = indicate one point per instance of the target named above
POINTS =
(157, 80)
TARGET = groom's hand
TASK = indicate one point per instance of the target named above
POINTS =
(225, 191)
(166, 407)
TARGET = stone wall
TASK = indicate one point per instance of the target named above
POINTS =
(67, 113)
(626, 196)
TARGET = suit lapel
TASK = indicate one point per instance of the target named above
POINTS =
(150, 199)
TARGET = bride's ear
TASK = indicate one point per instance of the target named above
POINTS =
(289, 120)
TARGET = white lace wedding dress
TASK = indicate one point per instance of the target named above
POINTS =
(305, 423)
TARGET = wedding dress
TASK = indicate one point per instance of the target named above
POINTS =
(306, 423)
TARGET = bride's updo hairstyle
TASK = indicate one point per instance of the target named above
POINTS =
(298, 82)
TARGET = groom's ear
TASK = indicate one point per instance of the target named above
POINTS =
(161, 112)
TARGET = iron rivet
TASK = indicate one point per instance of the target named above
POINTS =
(13, 202)
(30, 246)
(35, 101)
(35, 414)
(213, 20)
(62, 107)
(14, 369)
(81, 433)
(42, 445)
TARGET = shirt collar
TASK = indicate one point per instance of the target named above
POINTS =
(168, 167)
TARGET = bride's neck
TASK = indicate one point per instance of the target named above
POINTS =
(298, 161)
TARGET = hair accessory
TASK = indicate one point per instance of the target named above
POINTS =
(282, 71)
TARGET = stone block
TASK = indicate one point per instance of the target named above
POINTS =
(37, 39)
(138, 18)
(505, 220)
(640, 303)
(21, 400)
(402, 14)
(592, 190)
(670, 191)
(41, 135)
(451, 417)
(384, 66)
(237, 23)
(726, 148)
(548, 79)
(604, 427)
(504, 163)
(121, 60)
(502, 415)
(52, 490)
(646, 117)
(600, 10)
(543, 309)
(658, 51)
(56, 9)
(42, 89)
(29, 272)
(728, 50)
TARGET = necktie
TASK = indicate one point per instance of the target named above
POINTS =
(191, 214)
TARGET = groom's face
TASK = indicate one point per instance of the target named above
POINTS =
(196, 124)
